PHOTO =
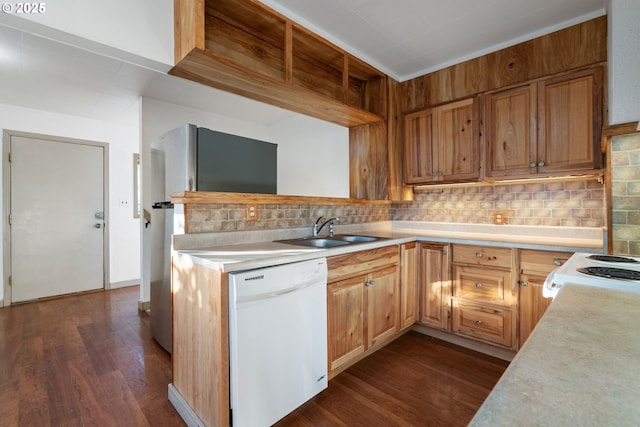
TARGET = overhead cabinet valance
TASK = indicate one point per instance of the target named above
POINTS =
(244, 47)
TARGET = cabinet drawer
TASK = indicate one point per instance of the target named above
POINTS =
(482, 284)
(482, 255)
(353, 264)
(541, 263)
(483, 322)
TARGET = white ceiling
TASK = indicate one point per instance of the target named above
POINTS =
(410, 38)
(403, 38)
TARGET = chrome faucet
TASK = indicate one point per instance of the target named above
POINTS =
(317, 227)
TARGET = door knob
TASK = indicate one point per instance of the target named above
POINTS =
(97, 225)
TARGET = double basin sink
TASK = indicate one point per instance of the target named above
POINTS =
(331, 242)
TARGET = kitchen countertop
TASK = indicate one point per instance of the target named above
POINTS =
(580, 366)
(220, 251)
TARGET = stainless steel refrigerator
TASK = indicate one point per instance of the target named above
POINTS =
(190, 158)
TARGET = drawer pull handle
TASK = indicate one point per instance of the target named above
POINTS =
(369, 283)
(478, 322)
(479, 254)
(478, 285)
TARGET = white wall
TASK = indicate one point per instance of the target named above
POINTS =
(624, 61)
(139, 31)
(124, 230)
(313, 157)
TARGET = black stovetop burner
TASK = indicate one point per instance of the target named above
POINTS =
(611, 273)
(612, 258)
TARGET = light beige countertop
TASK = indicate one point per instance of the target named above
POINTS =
(244, 250)
(580, 366)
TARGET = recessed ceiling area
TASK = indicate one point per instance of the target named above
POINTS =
(410, 38)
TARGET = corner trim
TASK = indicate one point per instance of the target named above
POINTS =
(144, 305)
(185, 411)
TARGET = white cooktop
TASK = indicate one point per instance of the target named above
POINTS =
(570, 272)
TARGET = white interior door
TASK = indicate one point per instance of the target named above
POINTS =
(57, 218)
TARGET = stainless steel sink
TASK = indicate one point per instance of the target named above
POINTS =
(315, 242)
(329, 242)
(355, 238)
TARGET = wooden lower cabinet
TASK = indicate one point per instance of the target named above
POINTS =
(485, 322)
(363, 304)
(409, 269)
(435, 285)
(535, 266)
(345, 304)
(485, 294)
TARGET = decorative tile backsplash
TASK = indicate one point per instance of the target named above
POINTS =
(625, 192)
(207, 218)
(578, 203)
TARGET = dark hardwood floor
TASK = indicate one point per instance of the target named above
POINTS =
(85, 360)
(89, 360)
(414, 381)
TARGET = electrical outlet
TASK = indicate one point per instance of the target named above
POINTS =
(252, 213)
(498, 218)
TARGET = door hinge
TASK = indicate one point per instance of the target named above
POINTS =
(10, 280)
(10, 219)
(10, 157)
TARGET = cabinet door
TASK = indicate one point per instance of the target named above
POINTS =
(435, 286)
(345, 318)
(510, 118)
(408, 284)
(382, 304)
(570, 121)
(457, 145)
(418, 147)
(532, 305)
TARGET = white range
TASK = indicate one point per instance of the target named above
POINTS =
(605, 271)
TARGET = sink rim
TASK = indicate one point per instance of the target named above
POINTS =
(331, 242)
(315, 242)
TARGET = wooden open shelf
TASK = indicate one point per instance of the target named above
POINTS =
(244, 47)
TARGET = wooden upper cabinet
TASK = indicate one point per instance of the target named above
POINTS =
(441, 143)
(245, 47)
(511, 131)
(419, 146)
(546, 127)
(570, 122)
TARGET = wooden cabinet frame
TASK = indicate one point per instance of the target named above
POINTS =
(247, 48)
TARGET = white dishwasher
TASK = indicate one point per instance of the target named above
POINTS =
(277, 340)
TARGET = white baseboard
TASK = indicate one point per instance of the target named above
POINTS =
(124, 284)
(185, 411)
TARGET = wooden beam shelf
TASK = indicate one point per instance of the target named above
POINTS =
(200, 197)
(244, 47)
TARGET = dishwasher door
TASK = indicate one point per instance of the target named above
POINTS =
(277, 340)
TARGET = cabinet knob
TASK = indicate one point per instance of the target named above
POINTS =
(557, 262)
(478, 322)
(540, 164)
(369, 283)
(478, 285)
(523, 283)
(532, 164)
(479, 254)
